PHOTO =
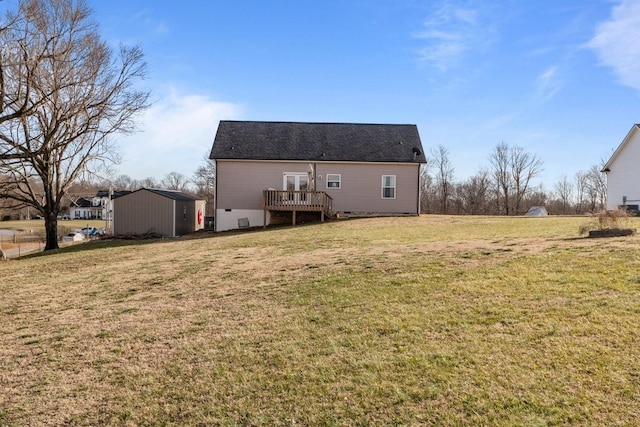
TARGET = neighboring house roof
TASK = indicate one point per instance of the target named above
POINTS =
(623, 144)
(171, 194)
(82, 203)
(351, 142)
(117, 193)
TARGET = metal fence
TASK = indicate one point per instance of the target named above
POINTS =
(16, 245)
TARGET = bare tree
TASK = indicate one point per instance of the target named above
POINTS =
(502, 178)
(204, 180)
(123, 182)
(524, 167)
(63, 95)
(596, 187)
(175, 181)
(473, 194)
(563, 191)
(536, 197)
(148, 182)
(581, 191)
(443, 176)
(513, 170)
(426, 189)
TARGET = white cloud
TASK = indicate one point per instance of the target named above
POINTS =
(615, 42)
(548, 84)
(145, 19)
(450, 32)
(175, 134)
(161, 28)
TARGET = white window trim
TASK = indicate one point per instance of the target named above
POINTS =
(298, 175)
(339, 181)
(395, 187)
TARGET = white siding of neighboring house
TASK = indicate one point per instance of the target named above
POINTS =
(98, 209)
(240, 186)
(623, 177)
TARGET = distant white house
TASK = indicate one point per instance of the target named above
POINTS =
(96, 207)
(623, 173)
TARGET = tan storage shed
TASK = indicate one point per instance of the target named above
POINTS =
(161, 212)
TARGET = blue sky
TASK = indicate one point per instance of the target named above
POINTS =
(559, 78)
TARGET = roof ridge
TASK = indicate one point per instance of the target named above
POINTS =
(318, 123)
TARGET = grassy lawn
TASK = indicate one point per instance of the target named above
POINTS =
(409, 321)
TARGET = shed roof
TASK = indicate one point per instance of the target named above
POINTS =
(351, 142)
(114, 194)
(171, 194)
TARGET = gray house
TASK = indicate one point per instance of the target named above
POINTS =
(162, 212)
(265, 167)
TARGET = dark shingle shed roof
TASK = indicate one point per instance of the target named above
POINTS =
(175, 195)
(170, 194)
(351, 142)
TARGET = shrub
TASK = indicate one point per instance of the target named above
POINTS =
(605, 220)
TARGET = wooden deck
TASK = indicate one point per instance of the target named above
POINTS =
(296, 201)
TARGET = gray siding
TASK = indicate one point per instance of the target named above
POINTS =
(143, 212)
(187, 216)
(361, 187)
(184, 216)
(240, 184)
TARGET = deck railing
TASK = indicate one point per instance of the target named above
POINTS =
(297, 201)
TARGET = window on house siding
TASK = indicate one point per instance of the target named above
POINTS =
(334, 181)
(388, 186)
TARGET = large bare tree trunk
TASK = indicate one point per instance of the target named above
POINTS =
(63, 95)
(51, 229)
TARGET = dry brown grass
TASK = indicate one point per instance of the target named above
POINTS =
(430, 320)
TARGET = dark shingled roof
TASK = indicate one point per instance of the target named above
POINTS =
(82, 202)
(171, 194)
(115, 194)
(348, 142)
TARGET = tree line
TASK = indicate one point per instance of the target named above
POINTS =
(201, 183)
(506, 186)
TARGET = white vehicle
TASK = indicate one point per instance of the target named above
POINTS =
(73, 237)
(91, 231)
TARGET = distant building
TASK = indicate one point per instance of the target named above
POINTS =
(96, 207)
